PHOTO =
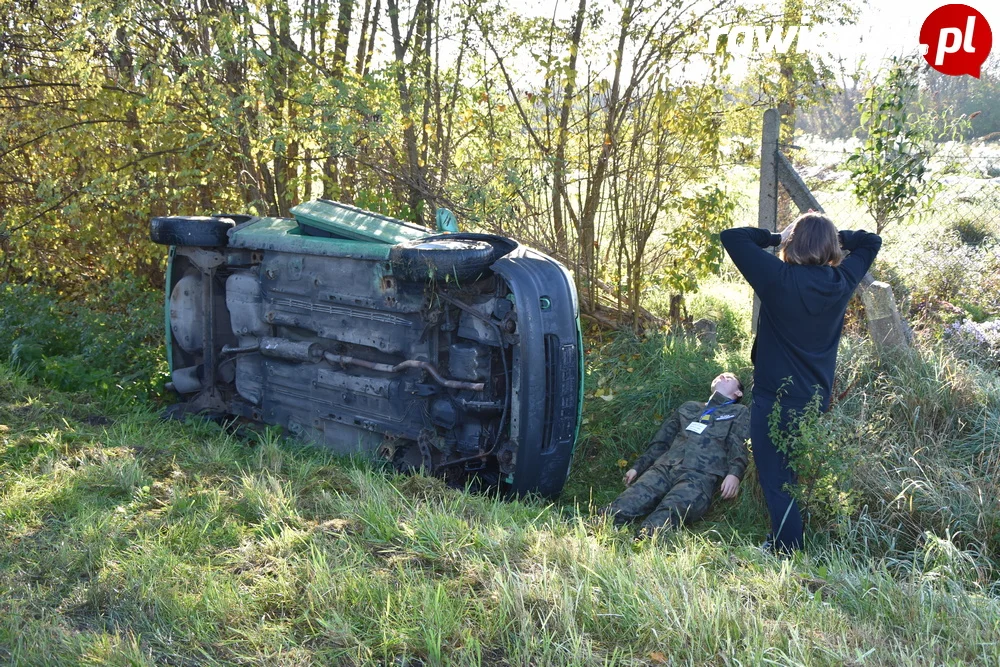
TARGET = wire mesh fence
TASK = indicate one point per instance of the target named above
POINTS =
(942, 255)
(961, 192)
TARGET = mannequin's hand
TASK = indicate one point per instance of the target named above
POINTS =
(730, 487)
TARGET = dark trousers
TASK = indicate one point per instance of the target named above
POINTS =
(775, 473)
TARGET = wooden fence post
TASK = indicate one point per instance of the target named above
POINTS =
(767, 211)
(884, 321)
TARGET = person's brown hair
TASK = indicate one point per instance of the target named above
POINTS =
(813, 241)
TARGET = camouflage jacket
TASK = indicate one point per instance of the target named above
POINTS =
(721, 449)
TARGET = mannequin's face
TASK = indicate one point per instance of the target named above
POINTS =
(727, 386)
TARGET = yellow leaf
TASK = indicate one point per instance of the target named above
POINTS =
(658, 658)
(622, 463)
(630, 369)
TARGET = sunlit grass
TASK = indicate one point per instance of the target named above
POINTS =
(142, 542)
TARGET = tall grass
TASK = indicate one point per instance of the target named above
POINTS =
(931, 445)
(110, 341)
(126, 540)
(144, 543)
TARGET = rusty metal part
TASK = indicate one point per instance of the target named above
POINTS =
(345, 360)
(291, 350)
(424, 441)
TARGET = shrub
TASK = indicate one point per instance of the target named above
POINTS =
(944, 279)
(822, 449)
(974, 231)
(111, 338)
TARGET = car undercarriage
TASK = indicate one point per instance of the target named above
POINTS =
(455, 354)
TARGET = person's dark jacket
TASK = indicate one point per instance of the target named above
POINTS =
(802, 310)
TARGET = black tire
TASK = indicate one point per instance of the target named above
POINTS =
(199, 231)
(463, 260)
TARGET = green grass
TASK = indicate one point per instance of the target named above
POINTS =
(126, 540)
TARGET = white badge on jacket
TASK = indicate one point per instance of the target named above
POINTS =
(697, 427)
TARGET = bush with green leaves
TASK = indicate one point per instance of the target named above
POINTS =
(822, 448)
(889, 171)
(111, 338)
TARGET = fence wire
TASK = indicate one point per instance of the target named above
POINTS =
(943, 255)
(961, 193)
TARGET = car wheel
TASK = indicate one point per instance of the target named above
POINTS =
(462, 259)
(200, 231)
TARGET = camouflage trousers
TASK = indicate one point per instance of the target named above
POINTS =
(669, 495)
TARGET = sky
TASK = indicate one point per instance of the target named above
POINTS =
(884, 28)
(892, 27)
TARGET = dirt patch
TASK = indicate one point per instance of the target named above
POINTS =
(97, 420)
(339, 527)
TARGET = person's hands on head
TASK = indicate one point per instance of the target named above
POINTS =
(630, 476)
(787, 231)
(730, 487)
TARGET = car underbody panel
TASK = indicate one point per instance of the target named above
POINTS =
(394, 350)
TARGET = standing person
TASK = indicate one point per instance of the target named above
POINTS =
(698, 446)
(804, 293)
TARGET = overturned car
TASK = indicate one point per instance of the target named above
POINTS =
(459, 354)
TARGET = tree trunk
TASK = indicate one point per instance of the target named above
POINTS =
(280, 37)
(366, 46)
(588, 232)
(248, 176)
(562, 134)
(415, 177)
(307, 186)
